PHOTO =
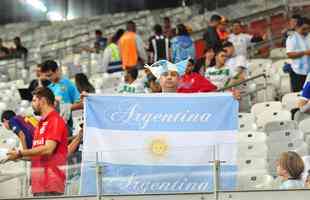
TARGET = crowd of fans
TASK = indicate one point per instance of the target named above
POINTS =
(168, 65)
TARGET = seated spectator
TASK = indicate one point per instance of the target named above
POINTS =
(168, 76)
(192, 82)
(211, 37)
(4, 52)
(219, 75)
(111, 56)
(151, 82)
(22, 126)
(290, 168)
(131, 85)
(19, 51)
(40, 81)
(208, 60)
(83, 84)
(159, 46)
(182, 45)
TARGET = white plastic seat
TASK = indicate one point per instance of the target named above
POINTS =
(278, 53)
(251, 163)
(253, 180)
(304, 126)
(251, 137)
(257, 150)
(261, 107)
(271, 116)
(284, 135)
(246, 122)
(280, 126)
(259, 66)
(290, 101)
(276, 148)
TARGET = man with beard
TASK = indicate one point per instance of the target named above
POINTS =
(49, 150)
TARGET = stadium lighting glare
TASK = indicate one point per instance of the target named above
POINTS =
(55, 16)
(37, 4)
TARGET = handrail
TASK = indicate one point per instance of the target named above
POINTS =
(242, 82)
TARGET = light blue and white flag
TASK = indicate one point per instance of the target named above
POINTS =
(159, 143)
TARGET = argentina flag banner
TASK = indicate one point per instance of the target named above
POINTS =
(159, 143)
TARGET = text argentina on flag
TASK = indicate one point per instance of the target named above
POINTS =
(159, 143)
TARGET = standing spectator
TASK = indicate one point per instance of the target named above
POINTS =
(222, 30)
(210, 36)
(66, 93)
(40, 81)
(182, 45)
(159, 45)
(192, 82)
(4, 52)
(132, 84)
(167, 29)
(20, 51)
(298, 49)
(242, 41)
(49, 150)
(290, 168)
(83, 84)
(131, 47)
(101, 42)
(290, 29)
(22, 126)
(111, 56)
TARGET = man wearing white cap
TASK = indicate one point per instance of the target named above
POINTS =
(168, 75)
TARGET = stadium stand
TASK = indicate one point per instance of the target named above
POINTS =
(265, 131)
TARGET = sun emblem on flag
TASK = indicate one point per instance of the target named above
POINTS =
(159, 147)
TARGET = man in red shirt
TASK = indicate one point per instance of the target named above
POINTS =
(49, 150)
(192, 82)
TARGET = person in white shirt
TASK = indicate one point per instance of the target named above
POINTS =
(298, 49)
(242, 41)
(239, 66)
(220, 75)
(131, 83)
(237, 63)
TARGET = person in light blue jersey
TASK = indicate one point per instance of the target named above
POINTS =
(298, 49)
(182, 45)
(66, 93)
(290, 167)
